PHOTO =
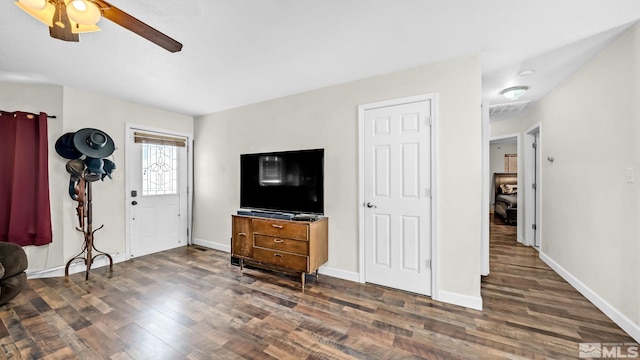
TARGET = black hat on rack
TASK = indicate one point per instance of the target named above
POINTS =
(65, 147)
(95, 165)
(108, 168)
(93, 143)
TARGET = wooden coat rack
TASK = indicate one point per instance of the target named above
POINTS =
(86, 227)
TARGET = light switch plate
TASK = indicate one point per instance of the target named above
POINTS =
(631, 175)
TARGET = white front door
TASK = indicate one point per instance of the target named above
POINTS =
(157, 195)
(397, 196)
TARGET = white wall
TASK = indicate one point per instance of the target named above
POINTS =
(76, 109)
(590, 214)
(327, 118)
(497, 151)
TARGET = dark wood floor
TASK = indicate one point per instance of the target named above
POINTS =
(190, 303)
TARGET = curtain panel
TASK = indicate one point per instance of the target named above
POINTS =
(25, 212)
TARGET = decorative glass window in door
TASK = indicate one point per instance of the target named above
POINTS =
(159, 169)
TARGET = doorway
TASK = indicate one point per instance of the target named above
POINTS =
(157, 191)
(396, 207)
(505, 165)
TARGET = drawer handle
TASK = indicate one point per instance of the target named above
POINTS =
(277, 226)
(277, 255)
(278, 241)
(242, 234)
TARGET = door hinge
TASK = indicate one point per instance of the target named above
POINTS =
(427, 120)
(534, 227)
(428, 193)
(534, 145)
(428, 264)
(534, 186)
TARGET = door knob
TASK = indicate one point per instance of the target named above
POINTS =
(370, 205)
(134, 202)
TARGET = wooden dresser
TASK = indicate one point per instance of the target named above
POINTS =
(298, 246)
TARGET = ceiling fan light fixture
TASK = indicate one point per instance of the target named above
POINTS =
(35, 4)
(81, 29)
(44, 15)
(79, 5)
(83, 12)
(67, 18)
(514, 92)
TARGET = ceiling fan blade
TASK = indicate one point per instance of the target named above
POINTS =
(61, 28)
(129, 22)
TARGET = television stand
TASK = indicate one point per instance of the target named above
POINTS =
(287, 245)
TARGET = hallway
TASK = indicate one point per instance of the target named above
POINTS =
(536, 305)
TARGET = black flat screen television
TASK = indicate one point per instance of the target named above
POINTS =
(287, 181)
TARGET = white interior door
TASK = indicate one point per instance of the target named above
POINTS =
(397, 196)
(532, 189)
(536, 192)
(157, 195)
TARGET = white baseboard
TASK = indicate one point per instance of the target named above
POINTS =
(340, 274)
(212, 245)
(75, 267)
(616, 316)
(472, 302)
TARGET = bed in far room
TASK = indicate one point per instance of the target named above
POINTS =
(506, 197)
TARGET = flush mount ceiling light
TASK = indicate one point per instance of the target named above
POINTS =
(68, 18)
(514, 92)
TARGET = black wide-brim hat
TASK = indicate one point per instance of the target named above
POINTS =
(93, 143)
(65, 147)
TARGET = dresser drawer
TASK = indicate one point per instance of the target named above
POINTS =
(281, 229)
(283, 259)
(242, 239)
(293, 246)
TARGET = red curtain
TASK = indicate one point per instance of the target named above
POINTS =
(25, 215)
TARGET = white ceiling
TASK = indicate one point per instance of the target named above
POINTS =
(238, 52)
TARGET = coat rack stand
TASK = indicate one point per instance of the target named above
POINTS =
(89, 246)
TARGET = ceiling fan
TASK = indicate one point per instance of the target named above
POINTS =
(69, 18)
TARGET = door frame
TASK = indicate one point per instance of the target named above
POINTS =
(518, 137)
(486, 206)
(432, 97)
(486, 193)
(128, 187)
(530, 203)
